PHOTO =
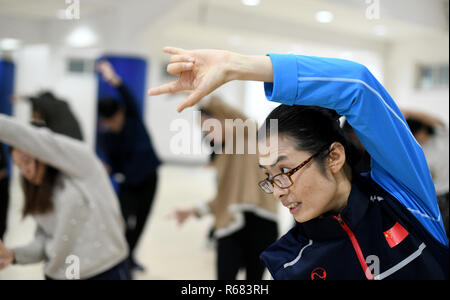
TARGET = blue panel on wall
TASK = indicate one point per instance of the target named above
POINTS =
(6, 90)
(6, 86)
(133, 72)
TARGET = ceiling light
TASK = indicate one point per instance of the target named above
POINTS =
(380, 30)
(251, 2)
(9, 44)
(324, 16)
(81, 37)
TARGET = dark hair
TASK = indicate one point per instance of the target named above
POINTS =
(416, 126)
(39, 199)
(206, 112)
(312, 129)
(108, 107)
(47, 94)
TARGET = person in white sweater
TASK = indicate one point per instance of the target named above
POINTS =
(80, 231)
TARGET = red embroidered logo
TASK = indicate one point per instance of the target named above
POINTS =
(395, 235)
(318, 274)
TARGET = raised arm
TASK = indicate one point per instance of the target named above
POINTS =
(68, 155)
(109, 75)
(398, 162)
(203, 71)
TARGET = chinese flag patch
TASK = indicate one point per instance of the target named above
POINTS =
(395, 235)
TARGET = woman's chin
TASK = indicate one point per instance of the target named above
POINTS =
(301, 218)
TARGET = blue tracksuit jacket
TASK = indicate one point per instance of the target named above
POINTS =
(391, 227)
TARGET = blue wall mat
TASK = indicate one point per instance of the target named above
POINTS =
(133, 71)
(6, 86)
(6, 90)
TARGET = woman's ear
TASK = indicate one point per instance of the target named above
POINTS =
(336, 159)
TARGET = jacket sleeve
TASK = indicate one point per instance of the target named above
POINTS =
(398, 163)
(130, 102)
(65, 154)
(32, 253)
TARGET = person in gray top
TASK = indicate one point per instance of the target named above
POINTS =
(80, 231)
(57, 115)
(54, 112)
(4, 191)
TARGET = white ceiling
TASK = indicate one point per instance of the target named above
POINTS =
(227, 22)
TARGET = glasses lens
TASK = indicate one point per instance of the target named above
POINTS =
(282, 181)
(266, 186)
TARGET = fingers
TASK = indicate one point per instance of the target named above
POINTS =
(171, 87)
(4, 263)
(171, 215)
(181, 58)
(15, 98)
(174, 50)
(178, 67)
(193, 98)
(99, 66)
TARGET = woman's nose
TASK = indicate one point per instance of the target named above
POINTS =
(279, 192)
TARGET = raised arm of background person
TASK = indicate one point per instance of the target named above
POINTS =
(108, 73)
(68, 155)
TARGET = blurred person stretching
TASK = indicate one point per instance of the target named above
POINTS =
(433, 135)
(128, 150)
(245, 216)
(4, 192)
(55, 113)
(68, 193)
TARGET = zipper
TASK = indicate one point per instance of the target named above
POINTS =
(359, 254)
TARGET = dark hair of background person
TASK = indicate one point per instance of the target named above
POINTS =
(313, 128)
(57, 114)
(108, 107)
(416, 126)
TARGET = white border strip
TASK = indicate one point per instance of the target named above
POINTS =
(415, 211)
(403, 263)
(298, 257)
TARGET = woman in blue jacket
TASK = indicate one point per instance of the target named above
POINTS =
(384, 224)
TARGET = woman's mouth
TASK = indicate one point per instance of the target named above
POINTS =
(294, 207)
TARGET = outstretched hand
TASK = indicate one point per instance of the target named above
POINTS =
(6, 256)
(181, 215)
(108, 73)
(199, 71)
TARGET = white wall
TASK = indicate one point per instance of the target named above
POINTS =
(41, 67)
(401, 63)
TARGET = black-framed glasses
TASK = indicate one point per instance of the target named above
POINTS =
(284, 180)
